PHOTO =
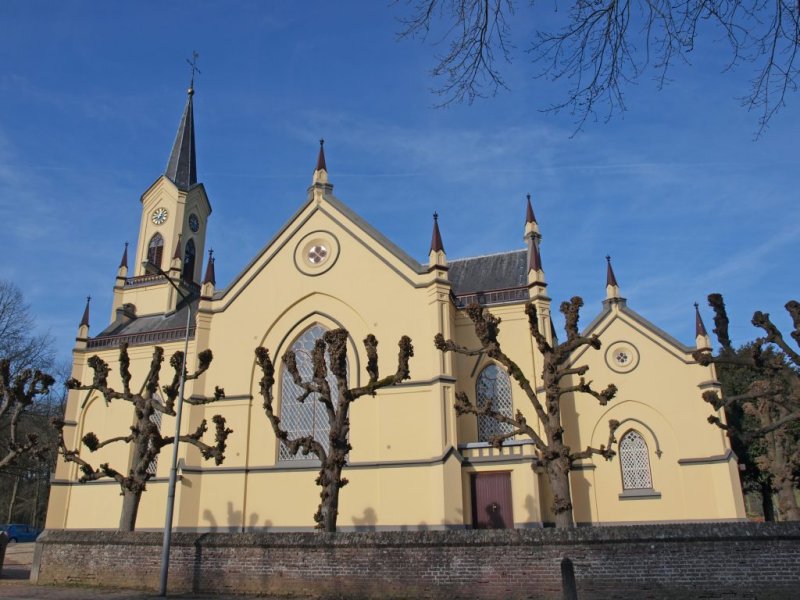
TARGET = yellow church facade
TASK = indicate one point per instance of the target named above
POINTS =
(414, 463)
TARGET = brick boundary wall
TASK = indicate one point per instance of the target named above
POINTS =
(710, 561)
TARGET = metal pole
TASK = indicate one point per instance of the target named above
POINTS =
(173, 472)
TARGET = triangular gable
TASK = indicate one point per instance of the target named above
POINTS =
(660, 337)
(366, 234)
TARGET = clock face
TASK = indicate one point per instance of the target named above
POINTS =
(159, 216)
(194, 223)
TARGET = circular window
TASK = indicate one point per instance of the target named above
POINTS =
(316, 253)
(622, 357)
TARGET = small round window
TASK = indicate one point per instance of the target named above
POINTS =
(622, 357)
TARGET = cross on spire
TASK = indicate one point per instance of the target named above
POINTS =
(193, 64)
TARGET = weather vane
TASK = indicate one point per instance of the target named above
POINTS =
(193, 63)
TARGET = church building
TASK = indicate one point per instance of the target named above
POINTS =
(414, 464)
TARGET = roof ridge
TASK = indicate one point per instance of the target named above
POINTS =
(452, 260)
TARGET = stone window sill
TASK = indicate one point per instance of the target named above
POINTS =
(647, 493)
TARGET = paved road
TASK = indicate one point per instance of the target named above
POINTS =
(14, 584)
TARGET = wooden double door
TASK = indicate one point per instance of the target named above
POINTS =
(491, 500)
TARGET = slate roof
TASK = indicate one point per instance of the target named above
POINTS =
(182, 164)
(491, 272)
(148, 323)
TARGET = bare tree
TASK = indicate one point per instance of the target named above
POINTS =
(145, 434)
(553, 454)
(18, 393)
(599, 46)
(23, 348)
(336, 400)
(772, 399)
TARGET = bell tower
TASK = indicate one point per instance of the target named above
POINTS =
(172, 230)
(175, 209)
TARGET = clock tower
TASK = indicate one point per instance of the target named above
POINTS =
(172, 230)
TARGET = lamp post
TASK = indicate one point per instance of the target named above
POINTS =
(173, 471)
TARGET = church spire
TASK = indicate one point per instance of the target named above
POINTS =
(124, 262)
(529, 216)
(702, 341)
(436, 255)
(182, 164)
(612, 287)
(321, 170)
(85, 318)
(211, 276)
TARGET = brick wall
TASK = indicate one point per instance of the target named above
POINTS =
(730, 560)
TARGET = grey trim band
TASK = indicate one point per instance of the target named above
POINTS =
(708, 460)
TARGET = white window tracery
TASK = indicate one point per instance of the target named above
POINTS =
(494, 385)
(634, 460)
(309, 417)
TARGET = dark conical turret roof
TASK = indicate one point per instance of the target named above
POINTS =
(85, 317)
(611, 279)
(182, 165)
(321, 166)
(436, 238)
(529, 216)
(699, 326)
(211, 276)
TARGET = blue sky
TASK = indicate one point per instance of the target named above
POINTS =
(677, 191)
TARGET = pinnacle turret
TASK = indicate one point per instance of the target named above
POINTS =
(436, 238)
(123, 264)
(321, 170)
(210, 273)
(612, 287)
(85, 319)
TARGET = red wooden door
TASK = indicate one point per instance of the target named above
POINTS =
(491, 501)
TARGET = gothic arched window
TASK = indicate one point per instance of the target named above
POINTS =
(155, 250)
(634, 460)
(308, 417)
(493, 386)
(188, 261)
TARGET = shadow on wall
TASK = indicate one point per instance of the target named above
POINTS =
(235, 521)
(367, 522)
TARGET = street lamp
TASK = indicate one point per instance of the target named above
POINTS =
(153, 269)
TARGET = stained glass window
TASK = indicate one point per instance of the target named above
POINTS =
(495, 386)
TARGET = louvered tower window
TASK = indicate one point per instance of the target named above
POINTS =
(634, 460)
(494, 386)
(308, 417)
(155, 250)
(188, 261)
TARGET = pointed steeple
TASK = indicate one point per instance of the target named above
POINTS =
(321, 170)
(177, 254)
(612, 287)
(702, 341)
(535, 259)
(529, 216)
(610, 277)
(436, 238)
(83, 328)
(85, 318)
(124, 262)
(436, 255)
(699, 326)
(210, 274)
(182, 164)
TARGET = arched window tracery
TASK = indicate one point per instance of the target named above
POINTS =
(155, 250)
(634, 461)
(308, 417)
(493, 386)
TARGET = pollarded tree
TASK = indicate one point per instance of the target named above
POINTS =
(772, 399)
(18, 392)
(553, 454)
(336, 400)
(145, 435)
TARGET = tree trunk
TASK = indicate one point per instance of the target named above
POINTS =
(130, 508)
(558, 476)
(13, 501)
(329, 507)
(766, 502)
(787, 501)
